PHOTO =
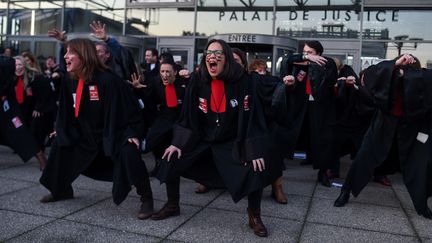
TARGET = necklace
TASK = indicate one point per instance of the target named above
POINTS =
(217, 107)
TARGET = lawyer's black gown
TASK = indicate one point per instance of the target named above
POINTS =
(95, 144)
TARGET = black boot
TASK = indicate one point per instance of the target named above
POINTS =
(343, 198)
(323, 178)
(427, 214)
(144, 190)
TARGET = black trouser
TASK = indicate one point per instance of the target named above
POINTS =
(173, 194)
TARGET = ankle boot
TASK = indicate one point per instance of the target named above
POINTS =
(255, 223)
(277, 192)
(200, 189)
(170, 209)
(428, 213)
(63, 196)
(343, 198)
(40, 156)
(323, 179)
(146, 208)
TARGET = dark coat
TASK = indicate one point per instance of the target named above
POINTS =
(13, 130)
(239, 139)
(320, 113)
(387, 130)
(354, 111)
(160, 133)
(93, 143)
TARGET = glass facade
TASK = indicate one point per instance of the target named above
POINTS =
(359, 32)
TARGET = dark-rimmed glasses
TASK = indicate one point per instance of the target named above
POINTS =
(217, 53)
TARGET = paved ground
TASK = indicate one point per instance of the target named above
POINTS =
(379, 214)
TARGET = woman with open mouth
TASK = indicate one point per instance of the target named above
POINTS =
(97, 132)
(222, 120)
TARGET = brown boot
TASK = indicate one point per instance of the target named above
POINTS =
(200, 189)
(146, 209)
(40, 156)
(168, 210)
(256, 224)
(277, 192)
(50, 198)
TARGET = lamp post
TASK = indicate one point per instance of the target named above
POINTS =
(399, 42)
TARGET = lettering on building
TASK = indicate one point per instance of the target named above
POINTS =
(346, 15)
(244, 38)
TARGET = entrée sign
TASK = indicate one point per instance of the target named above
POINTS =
(244, 38)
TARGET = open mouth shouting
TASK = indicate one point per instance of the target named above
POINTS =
(215, 59)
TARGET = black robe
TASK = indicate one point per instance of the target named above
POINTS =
(239, 139)
(95, 144)
(160, 133)
(399, 134)
(299, 110)
(354, 111)
(13, 130)
(43, 100)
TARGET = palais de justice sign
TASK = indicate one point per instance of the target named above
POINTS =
(345, 15)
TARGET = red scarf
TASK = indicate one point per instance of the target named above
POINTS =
(78, 96)
(218, 100)
(308, 87)
(19, 90)
(170, 96)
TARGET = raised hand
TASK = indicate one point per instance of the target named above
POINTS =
(136, 81)
(60, 36)
(98, 30)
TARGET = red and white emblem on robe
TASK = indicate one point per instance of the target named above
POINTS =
(203, 105)
(246, 103)
(94, 94)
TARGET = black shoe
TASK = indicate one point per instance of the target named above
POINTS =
(427, 214)
(168, 210)
(50, 198)
(323, 178)
(343, 198)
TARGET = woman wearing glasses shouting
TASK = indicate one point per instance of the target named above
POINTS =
(222, 121)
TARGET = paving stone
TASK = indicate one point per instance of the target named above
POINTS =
(28, 201)
(14, 223)
(10, 185)
(297, 187)
(360, 216)
(325, 233)
(27, 172)
(187, 193)
(422, 225)
(372, 195)
(124, 217)
(66, 231)
(295, 209)
(233, 227)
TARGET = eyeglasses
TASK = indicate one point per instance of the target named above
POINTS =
(217, 53)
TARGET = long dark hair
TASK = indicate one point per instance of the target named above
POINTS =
(242, 56)
(232, 71)
(86, 51)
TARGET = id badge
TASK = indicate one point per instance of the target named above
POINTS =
(6, 106)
